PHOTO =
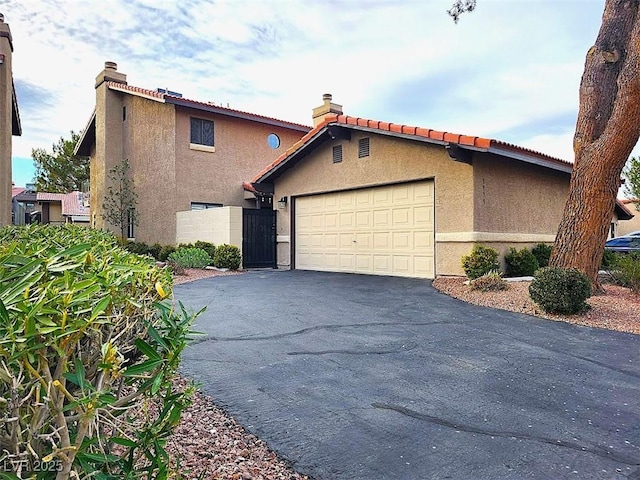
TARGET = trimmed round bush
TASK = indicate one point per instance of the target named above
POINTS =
(190, 257)
(542, 252)
(489, 282)
(520, 263)
(208, 247)
(227, 256)
(560, 290)
(480, 261)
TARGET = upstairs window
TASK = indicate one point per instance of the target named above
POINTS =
(201, 132)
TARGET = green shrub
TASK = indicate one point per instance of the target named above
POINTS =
(560, 290)
(154, 250)
(520, 263)
(165, 251)
(542, 252)
(227, 256)
(139, 248)
(481, 260)
(208, 247)
(87, 338)
(625, 270)
(190, 257)
(489, 282)
(609, 259)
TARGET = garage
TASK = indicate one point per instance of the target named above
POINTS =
(386, 230)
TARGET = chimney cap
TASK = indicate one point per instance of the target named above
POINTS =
(110, 65)
(327, 96)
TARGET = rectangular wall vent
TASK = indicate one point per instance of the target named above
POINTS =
(337, 154)
(363, 147)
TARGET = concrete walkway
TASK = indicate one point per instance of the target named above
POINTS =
(363, 377)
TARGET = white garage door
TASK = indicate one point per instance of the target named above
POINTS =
(382, 231)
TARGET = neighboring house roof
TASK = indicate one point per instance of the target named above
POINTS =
(623, 212)
(458, 144)
(88, 138)
(15, 191)
(72, 203)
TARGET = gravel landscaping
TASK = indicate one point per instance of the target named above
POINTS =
(210, 443)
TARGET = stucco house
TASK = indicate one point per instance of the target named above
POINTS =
(632, 224)
(365, 196)
(9, 121)
(184, 154)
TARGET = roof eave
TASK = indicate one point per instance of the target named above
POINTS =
(293, 158)
(88, 138)
(274, 122)
(623, 212)
(16, 127)
(527, 158)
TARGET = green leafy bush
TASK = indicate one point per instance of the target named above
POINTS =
(139, 248)
(520, 263)
(227, 256)
(165, 251)
(87, 338)
(609, 259)
(489, 282)
(481, 260)
(625, 270)
(154, 250)
(190, 257)
(208, 247)
(560, 290)
(542, 252)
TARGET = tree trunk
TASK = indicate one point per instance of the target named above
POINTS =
(607, 130)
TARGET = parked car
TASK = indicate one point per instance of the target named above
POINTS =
(626, 244)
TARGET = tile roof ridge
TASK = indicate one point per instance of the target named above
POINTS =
(175, 98)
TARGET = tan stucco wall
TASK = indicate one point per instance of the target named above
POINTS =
(108, 150)
(391, 160)
(628, 226)
(513, 196)
(55, 213)
(241, 150)
(6, 102)
(149, 145)
(516, 204)
(215, 225)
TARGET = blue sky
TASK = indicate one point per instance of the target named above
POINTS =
(509, 71)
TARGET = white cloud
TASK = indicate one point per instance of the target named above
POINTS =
(510, 68)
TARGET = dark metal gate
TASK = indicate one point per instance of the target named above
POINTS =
(258, 238)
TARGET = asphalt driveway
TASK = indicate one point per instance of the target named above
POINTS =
(363, 377)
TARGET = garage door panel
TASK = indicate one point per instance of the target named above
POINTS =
(383, 230)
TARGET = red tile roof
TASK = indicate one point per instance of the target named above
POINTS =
(435, 136)
(207, 106)
(16, 191)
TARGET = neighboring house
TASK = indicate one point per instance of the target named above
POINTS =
(23, 203)
(381, 198)
(632, 224)
(30, 206)
(9, 121)
(59, 208)
(184, 154)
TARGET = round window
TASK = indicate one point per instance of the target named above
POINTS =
(273, 140)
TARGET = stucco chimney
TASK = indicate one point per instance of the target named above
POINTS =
(110, 74)
(319, 113)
